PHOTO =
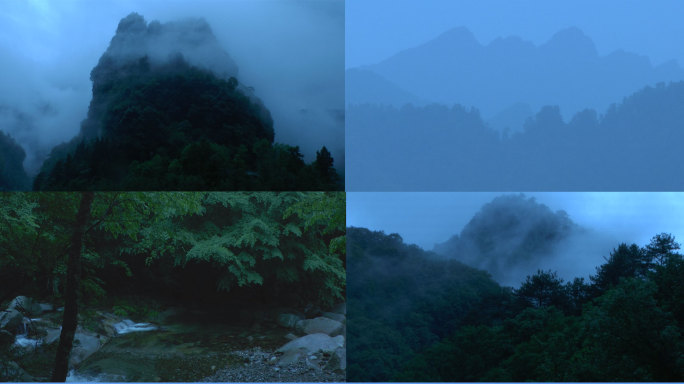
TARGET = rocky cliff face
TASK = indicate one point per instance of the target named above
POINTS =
(169, 113)
(135, 38)
(139, 48)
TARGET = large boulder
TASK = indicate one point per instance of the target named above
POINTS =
(11, 320)
(85, 344)
(335, 316)
(291, 357)
(320, 325)
(29, 306)
(23, 304)
(314, 343)
(52, 335)
(107, 324)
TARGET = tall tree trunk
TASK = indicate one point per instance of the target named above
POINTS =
(70, 320)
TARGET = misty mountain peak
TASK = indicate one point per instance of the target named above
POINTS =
(133, 23)
(509, 232)
(458, 37)
(571, 42)
(162, 42)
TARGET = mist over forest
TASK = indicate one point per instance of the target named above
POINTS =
(454, 114)
(513, 236)
(522, 293)
(299, 98)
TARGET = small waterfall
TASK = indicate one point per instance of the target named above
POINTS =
(22, 329)
(128, 326)
(22, 338)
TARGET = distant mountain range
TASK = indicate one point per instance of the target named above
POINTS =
(633, 146)
(507, 76)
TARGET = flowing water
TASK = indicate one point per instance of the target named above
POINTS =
(188, 347)
(23, 339)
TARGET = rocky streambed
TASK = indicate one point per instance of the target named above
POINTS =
(183, 345)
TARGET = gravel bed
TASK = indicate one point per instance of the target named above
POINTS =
(261, 366)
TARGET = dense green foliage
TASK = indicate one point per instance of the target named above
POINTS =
(624, 325)
(199, 248)
(402, 300)
(12, 174)
(173, 126)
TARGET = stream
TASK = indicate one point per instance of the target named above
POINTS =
(186, 347)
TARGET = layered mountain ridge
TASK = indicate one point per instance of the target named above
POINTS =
(567, 70)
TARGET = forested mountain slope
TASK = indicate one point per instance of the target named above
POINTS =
(401, 300)
(168, 113)
(634, 145)
(415, 317)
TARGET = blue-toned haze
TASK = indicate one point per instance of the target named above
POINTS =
(377, 29)
(291, 52)
(607, 219)
(514, 95)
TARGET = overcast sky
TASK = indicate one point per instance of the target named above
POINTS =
(376, 29)
(428, 218)
(290, 51)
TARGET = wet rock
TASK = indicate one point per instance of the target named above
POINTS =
(335, 316)
(291, 356)
(52, 335)
(29, 306)
(290, 336)
(320, 325)
(108, 324)
(288, 320)
(338, 360)
(20, 302)
(311, 363)
(314, 343)
(11, 320)
(85, 344)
